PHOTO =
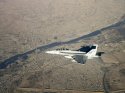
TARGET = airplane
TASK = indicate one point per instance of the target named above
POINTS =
(80, 55)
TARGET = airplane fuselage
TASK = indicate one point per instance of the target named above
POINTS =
(65, 52)
(79, 55)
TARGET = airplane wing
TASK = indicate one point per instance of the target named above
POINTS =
(80, 58)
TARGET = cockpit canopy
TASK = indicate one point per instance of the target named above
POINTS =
(62, 49)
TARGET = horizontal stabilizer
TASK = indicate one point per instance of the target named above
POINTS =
(80, 58)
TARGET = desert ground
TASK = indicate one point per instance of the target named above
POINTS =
(28, 28)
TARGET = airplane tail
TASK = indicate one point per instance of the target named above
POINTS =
(92, 52)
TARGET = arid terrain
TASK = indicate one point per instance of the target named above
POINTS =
(28, 28)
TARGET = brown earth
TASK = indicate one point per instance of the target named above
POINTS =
(27, 24)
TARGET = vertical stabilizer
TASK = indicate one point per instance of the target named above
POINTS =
(92, 52)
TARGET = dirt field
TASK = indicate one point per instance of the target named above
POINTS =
(28, 26)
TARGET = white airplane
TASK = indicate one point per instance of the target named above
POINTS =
(80, 55)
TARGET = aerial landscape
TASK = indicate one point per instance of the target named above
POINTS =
(30, 28)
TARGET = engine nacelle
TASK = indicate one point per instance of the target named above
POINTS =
(99, 53)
